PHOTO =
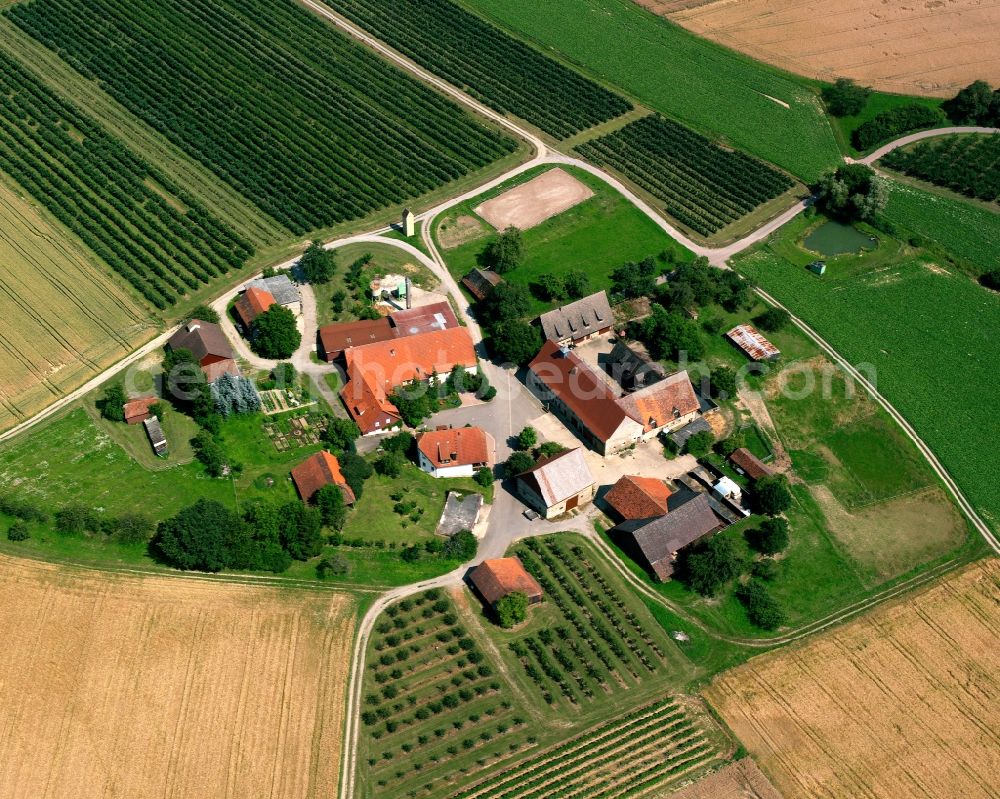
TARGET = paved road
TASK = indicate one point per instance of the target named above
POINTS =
(915, 137)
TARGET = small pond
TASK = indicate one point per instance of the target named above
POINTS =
(835, 238)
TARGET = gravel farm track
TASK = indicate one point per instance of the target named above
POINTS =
(500, 535)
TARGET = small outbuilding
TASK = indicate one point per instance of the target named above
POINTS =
(635, 497)
(251, 304)
(495, 579)
(752, 466)
(282, 290)
(557, 484)
(480, 282)
(317, 471)
(137, 410)
(157, 439)
(752, 343)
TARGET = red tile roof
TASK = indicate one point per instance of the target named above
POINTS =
(460, 446)
(750, 464)
(252, 304)
(317, 471)
(335, 339)
(667, 399)
(137, 410)
(636, 497)
(216, 369)
(494, 579)
(582, 390)
(369, 407)
(387, 364)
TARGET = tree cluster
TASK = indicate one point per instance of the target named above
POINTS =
(976, 104)
(112, 402)
(234, 394)
(706, 566)
(511, 338)
(853, 191)
(891, 124)
(207, 536)
(553, 287)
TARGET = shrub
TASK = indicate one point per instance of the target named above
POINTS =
(390, 464)
(512, 609)
(991, 280)
(484, 477)
(205, 313)
(762, 609)
(699, 444)
(888, 125)
(18, 531)
(527, 438)
(333, 566)
(76, 518)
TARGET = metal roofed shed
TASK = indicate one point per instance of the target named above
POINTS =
(680, 437)
(154, 432)
(283, 290)
(748, 339)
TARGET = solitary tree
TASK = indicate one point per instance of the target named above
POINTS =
(772, 495)
(317, 265)
(527, 438)
(550, 287)
(699, 444)
(355, 470)
(340, 435)
(845, 98)
(390, 464)
(773, 320)
(300, 530)
(972, 104)
(709, 565)
(275, 334)
(577, 283)
(771, 538)
(462, 546)
(484, 477)
(111, 404)
(518, 462)
(205, 313)
(505, 252)
(515, 341)
(762, 609)
(332, 508)
(723, 382)
(991, 280)
(512, 609)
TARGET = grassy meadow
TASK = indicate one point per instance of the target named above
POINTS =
(927, 332)
(596, 236)
(720, 92)
(878, 102)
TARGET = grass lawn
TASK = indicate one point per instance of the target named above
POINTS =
(878, 102)
(966, 230)
(716, 90)
(596, 236)
(387, 260)
(928, 334)
(375, 520)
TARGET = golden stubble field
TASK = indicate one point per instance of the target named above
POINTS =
(930, 47)
(121, 686)
(903, 703)
(63, 317)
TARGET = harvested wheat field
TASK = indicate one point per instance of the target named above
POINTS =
(63, 318)
(903, 703)
(122, 686)
(931, 47)
(739, 780)
(533, 202)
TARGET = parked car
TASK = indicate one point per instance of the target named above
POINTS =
(530, 514)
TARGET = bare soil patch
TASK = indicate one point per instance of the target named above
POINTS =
(533, 202)
(929, 47)
(739, 780)
(899, 705)
(168, 687)
(456, 232)
(891, 536)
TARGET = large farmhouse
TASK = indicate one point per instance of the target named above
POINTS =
(557, 484)
(578, 321)
(208, 344)
(375, 370)
(655, 542)
(572, 390)
(456, 452)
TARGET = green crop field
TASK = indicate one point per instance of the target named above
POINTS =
(310, 126)
(963, 229)
(967, 164)
(582, 695)
(596, 236)
(927, 333)
(497, 69)
(718, 91)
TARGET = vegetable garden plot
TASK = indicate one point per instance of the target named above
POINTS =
(503, 72)
(701, 184)
(310, 126)
(132, 216)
